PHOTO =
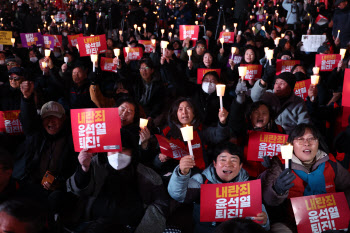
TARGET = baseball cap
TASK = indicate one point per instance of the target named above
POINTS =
(52, 108)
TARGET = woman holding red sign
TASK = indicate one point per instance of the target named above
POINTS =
(226, 168)
(313, 171)
(184, 113)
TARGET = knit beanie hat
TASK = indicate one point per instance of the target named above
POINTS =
(288, 77)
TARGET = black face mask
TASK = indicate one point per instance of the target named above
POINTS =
(300, 76)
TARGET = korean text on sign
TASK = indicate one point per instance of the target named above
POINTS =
(264, 144)
(220, 202)
(9, 122)
(301, 88)
(327, 62)
(318, 213)
(91, 125)
(96, 129)
(189, 31)
(92, 45)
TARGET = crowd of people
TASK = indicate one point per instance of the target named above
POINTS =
(45, 186)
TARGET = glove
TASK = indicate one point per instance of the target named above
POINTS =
(284, 182)
(267, 161)
(241, 89)
(269, 73)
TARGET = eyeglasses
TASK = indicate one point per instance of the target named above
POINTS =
(301, 141)
(144, 68)
(14, 78)
(126, 110)
(11, 64)
(201, 47)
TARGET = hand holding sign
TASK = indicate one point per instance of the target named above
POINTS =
(186, 163)
(85, 159)
(27, 88)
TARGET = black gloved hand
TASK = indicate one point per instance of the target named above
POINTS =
(284, 182)
(269, 73)
(267, 161)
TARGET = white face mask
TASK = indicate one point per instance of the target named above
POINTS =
(64, 33)
(33, 59)
(119, 161)
(2, 62)
(208, 87)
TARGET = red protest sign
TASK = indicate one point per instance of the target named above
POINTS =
(229, 37)
(253, 72)
(134, 54)
(202, 71)
(318, 213)
(301, 88)
(264, 144)
(96, 129)
(92, 45)
(57, 39)
(345, 117)
(73, 39)
(285, 65)
(221, 202)
(9, 122)
(346, 89)
(190, 31)
(327, 62)
(148, 45)
(107, 64)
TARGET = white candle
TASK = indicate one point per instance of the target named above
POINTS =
(265, 50)
(162, 31)
(233, 50)
(135, 26)
(222, 40)
(263, 28)
(187, 135)
(287, 152)
(277, 41)
(143, 124)
(342, 53)
(316, 70)
(120, 32)
(127, 49)
(196, 22)
(93, 60)
(65, 60)
(86, 26)
(170, 34)
(235, 25)
(77, 47)
(144, 26)
(223, 27)
(13, 40)
(116, 54)
(220, 91)
(309, 26)
(269, 55)
(163, 45)
(44, 65)
(47, 52)
(338, 33)
(242, 71)
(282, 35)
(139, 29)
(253, 29)
(314, 79)
(189, 53)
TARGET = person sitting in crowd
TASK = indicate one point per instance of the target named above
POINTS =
(226, 168)
(290, 109)
(117, 192)
(313, 171)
